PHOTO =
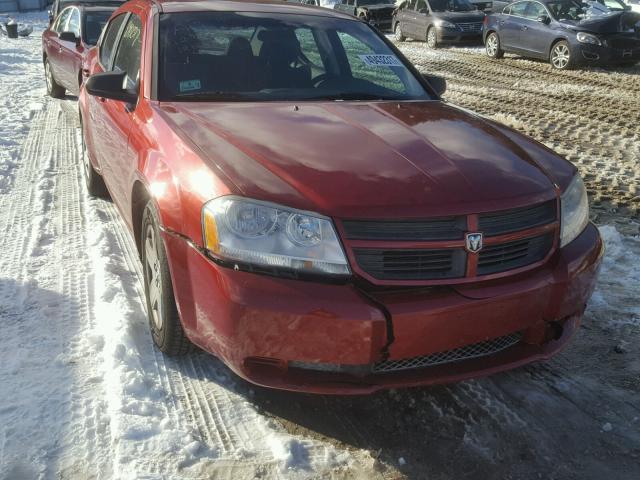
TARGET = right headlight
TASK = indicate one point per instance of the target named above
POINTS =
(252, 232)
(574, 207)
(444, 24)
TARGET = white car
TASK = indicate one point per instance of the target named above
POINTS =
(634, 4)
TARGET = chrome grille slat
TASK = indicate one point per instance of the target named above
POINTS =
(470, 27)
(476, 350)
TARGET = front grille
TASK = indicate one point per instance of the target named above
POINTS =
(470, 27)
(482, 349)
(412, 264)
(512, 255)
(444, 228)
(507, 221)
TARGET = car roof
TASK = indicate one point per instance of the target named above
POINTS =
(265, 6)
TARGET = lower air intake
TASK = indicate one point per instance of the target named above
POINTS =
(467, 352)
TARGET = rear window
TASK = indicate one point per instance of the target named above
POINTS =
(230, 56)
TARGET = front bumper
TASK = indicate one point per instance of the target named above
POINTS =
(324, 338)
(602, 56)
(450, 35)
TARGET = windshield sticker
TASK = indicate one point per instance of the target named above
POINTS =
(381, 60)
(190, 85)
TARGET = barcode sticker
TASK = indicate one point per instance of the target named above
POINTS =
(374, 60)
(190, 85)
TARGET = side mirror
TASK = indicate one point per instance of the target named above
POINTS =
(439, 84)
(111, 85)
(544, 19)
(69, 37)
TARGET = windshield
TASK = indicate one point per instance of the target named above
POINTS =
(94, 22)
(574, 11)
(451, 5)
(566, 10)
(231, 56)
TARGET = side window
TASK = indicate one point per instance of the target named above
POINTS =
(61, 22)
(74, 22)
(421, 5)
(381, 76)
(518, 9)
(310, 50)
(507, 10)
(129, 50)
(534, 10)
(109, 39)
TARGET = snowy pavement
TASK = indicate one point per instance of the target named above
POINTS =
(84, 394)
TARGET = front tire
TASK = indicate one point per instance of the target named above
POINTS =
(560, 56)
(492, 46)
(432, 38)
(53, 89)
(398, 33)
(164, 321)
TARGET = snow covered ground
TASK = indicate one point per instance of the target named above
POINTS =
(83, 393)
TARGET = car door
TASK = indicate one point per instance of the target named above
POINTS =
(537, 35)
(52, 43)
(119, 114)
(510, 25)
(102, 134)
(70, 53)
(422, 19)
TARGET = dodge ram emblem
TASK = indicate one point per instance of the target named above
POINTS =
(473, 242)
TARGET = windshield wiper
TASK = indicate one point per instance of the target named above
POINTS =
(351, 96)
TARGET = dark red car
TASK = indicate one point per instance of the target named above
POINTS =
(309, 210)
(65, 43)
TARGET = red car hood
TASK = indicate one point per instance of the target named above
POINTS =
(412, 159)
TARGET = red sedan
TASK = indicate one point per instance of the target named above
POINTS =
(65, 43)
(309, 210)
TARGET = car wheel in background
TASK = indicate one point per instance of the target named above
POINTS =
(432, 38)
(53, 89)
(398, 33)
(492, 46)
(164, 321)
(94, 181)
(560, 56)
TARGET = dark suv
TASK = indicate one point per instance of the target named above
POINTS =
(438, 21)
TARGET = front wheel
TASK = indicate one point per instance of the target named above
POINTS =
(560, 56)
(53, 89)
(492, 46)
(432, 38)
(164, 321)
(398, 33)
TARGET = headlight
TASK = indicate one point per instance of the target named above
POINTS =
(445, 24)
(263, 234)
(588, 38)
(574, 207)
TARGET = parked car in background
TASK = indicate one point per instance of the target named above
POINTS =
(58, 5)
(65, 43)
(317, 217)
(483, 5)
(561, 32)
(376, 12)
(438, 21)
(634, 5)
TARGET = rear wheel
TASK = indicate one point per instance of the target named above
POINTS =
(492, 46)
(53, 89)
(398, 33)
(432, 38)
(164, 321)
(560, 56)
(94, 181)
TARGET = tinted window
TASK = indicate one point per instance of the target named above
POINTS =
(420, 5)
(109, 39)
(519, 8)
(74, 22)
(61, 22)
(237, 56)
(534, 10)
(94, 22)
(129, 48)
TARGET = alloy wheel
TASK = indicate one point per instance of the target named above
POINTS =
(398, 33)
(47, 76)
(560, 56)
(492, 45)
(432, 39)
(154, 276)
